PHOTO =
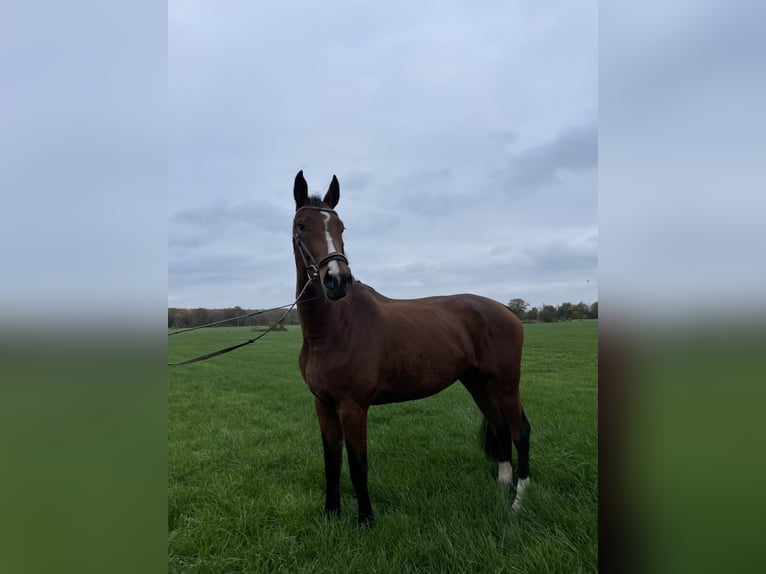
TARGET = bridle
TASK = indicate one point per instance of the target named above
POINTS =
(312, 265)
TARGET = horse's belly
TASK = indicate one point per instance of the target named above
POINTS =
(403, 388)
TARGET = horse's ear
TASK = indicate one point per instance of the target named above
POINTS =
(300, 190)
(333, 193)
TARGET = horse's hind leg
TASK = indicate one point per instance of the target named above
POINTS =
(495, 435)
(522, 446)
(520, 431)
(495, 439)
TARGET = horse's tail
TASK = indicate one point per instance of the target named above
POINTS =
(488, 441)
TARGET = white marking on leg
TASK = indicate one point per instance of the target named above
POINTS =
(521, 486)
(504, 473)
(332, 267)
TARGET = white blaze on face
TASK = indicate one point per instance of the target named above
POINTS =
(332, 268)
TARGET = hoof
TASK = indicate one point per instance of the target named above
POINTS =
(521, 487)
(365, 519)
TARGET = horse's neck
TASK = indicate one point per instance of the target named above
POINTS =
(314, 311)
(316, 317)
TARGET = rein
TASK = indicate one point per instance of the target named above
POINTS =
(249, 341)
(312, 267)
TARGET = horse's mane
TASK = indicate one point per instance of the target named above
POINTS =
(314, 201)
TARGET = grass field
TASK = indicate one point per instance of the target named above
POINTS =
(246, 478)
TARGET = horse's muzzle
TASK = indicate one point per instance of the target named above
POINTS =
(335, 286)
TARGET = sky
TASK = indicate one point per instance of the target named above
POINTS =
(140, 174)
(464, 136)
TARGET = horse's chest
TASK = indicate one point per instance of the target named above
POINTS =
(328, 374)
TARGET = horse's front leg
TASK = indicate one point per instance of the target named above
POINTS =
(353, 420)
(332, 444)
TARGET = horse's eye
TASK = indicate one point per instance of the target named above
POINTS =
(300, 227)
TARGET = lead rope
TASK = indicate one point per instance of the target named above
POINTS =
(249, 341)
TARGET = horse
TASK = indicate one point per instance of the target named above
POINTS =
(361, 348)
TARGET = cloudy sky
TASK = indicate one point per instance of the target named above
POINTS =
(464, 136)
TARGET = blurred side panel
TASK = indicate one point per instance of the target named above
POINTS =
(83, 291)
(682, 276)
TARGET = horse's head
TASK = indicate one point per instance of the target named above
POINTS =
(318, 238)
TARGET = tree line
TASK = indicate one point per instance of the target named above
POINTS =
(548, 313)
(183, 318)
(179, 318)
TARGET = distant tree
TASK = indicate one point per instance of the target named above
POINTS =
(532, 314)
(232, 312)
(518, 307)
(580, 311)
(199, 316)
(548, 314)
(564, 311)
(593, 311)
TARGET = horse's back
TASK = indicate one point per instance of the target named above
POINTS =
(462, 328)
(474, 313)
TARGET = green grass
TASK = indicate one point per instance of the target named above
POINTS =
(246, 478)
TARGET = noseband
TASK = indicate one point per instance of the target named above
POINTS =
(312, 266)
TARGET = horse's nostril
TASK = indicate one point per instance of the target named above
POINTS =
(343, 280)
(335, 286)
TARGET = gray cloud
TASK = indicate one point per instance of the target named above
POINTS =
(208, 222)
(573, 149)
(435, 120)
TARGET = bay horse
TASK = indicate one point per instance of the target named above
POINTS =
(361, 349)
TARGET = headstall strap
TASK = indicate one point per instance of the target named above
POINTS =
(315, 208)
